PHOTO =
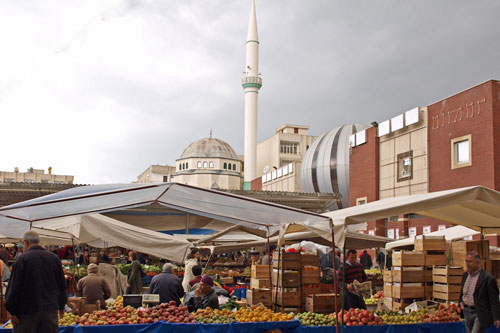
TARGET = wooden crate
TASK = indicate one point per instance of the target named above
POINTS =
(402, 292)
(310, 260)
(427, 274)
(495, 267)
(402, 275)
(286, 265)
(435, 259)
(261, 271)
(286, 298)
(428, 289)
(260, 283)
(256, 296)
(400, 304)
(446, 296)
(485, 264)
(388, 289)
(311, 276)
(430, 244)
(447, 270)
(408, 258)
(447, 288)
(310, 289)
(286, 279)
(287, 256)
(450, 279)
(287, 309)
(480, 246)
(387, 276)
(322, 303)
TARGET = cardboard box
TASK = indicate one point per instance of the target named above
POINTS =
(435, 259)
(261, 271)
(447, 288)
(322, 303)
(256, 296)
(403, 291)
(450, 279)
(292, 265)
(408, 258)
(260, 283)
(415, 306)
(287, 298)
(285, 279)
(447, 270)
(287, 256)
(310, 260)
(402, 275)
(423, 243)
(400, 304)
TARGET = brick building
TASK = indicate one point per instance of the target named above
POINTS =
(450, 144)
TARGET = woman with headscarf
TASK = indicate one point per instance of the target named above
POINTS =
(191, 261)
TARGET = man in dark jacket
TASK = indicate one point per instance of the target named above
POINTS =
(353, 271)
(479, 296)
(204, 296)
(366, 260)
(37, 289)
(167, 285)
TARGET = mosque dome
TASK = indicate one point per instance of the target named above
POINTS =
(209, 147)
(325, 167)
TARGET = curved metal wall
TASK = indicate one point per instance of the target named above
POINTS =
(325, 167)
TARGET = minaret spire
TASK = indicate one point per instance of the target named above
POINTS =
(251, 83)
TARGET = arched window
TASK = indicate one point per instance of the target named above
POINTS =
(234, 167)
(205, 164)
(225, 165)
(180, 166)
(211, 164)
(198, 165)
(187, 165)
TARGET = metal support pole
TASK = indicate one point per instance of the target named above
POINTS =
(269, 254)
(187, 223)
(343, 289)
(334, 280)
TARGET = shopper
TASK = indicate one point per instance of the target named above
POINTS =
(93, 287)
(353, 271)
(167, 285)
(191, 261)
(4, 272)
(268, 258)
(134, 276)
(255, 258)
(204, 296)
(479, 296)
(197, 270)
(366, 260)
(84, 258)
(4, 254)
(37, 289)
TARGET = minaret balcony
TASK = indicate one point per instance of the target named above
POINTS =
(251, 82)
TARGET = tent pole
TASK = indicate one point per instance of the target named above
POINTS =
(187, 223)
(334, 280)
(269, 253)
(204, 268)
(74, 257)
(343, 290)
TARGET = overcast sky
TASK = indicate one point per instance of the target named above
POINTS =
(103, 89)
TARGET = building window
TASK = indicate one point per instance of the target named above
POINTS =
(287, 147)
(405, 166)
(211, 164)
(198, 165)
(441, 227)
(187, 165)
(295, 130)
(360, 201)
(225, 165)
(44, 181)
(165, 179)
(461, 152)
(205, 165)
(29, 181)
(234, 167)
(412, 231)
(390, 233)
(9, 180)
(426, 229)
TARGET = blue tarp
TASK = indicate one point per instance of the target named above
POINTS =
(286, 326)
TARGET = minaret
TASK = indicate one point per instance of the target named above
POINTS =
(251, 83)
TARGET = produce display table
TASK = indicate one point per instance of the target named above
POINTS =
(457, 327)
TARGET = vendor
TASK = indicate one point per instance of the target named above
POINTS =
(204, 296)
(268, 258)
(353, 271)
(255, 258)
(93, 287)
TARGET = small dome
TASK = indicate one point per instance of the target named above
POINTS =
(209, 147)
(325, 167)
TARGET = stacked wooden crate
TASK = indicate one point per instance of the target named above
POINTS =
(312, 298)
(447, 283)
(260, 286)
(286, 282)
(459, 250)
(407, 279)
(434, 254)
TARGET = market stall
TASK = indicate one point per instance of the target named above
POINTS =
(450, 234)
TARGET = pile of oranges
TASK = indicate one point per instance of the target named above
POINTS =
(260, 314)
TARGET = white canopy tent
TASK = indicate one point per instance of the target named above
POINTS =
(217, 205)
(450, 234)
(476, 207)
(47, 237)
